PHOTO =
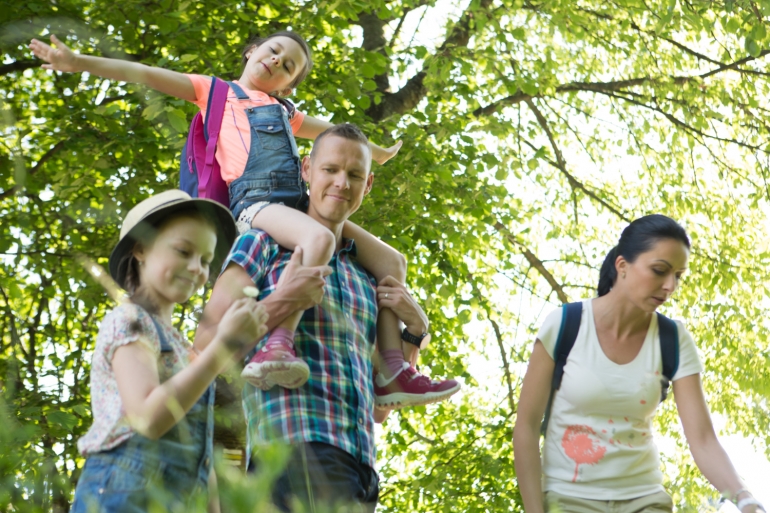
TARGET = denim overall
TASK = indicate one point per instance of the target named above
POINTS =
(171, 471)
(272, 172)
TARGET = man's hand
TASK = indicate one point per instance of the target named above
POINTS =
(392, 294)
(304, 286)
(60, 58)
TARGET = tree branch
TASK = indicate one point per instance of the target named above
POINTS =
(506, 369)
(45, 158)
(615, 85)
(562, 165)
(534, 262)
(407, 98)
(22, 65)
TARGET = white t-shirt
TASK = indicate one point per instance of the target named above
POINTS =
(599, 442)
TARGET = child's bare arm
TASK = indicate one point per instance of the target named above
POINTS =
(62, 58)
(152, 406)
(377, 257)
(312, 128)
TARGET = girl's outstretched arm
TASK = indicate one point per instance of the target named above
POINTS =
(312, 127)
(62, 58)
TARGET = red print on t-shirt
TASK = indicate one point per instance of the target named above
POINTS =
(582, 446)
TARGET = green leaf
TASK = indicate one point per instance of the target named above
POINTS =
(752, 47)
(63, 419)
(177, 119)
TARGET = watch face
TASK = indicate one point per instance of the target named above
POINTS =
(425, 340)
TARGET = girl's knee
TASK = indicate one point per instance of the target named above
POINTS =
(319, 247)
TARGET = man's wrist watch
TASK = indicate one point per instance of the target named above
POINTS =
(420, 341)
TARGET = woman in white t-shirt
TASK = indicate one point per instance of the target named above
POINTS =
(599, 454)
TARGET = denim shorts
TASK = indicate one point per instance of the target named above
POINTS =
(123, 484)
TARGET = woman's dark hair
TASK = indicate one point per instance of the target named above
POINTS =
(637, 238)
(258, 41)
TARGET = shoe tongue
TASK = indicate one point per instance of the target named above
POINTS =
(277, 344)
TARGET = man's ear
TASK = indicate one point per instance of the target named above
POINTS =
(369, 182)
(306, 168)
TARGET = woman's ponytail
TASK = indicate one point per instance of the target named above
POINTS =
(608, 273)
(637, 238)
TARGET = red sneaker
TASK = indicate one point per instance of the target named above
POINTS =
(276, 364)
(410, 388)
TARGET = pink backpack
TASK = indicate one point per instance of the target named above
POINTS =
(199, 173)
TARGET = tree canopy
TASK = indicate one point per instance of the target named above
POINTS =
(533, 132)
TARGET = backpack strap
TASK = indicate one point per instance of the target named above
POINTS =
(215, 112)
(568, 331)
(668, 332)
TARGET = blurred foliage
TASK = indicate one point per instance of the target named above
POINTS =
(533, 131)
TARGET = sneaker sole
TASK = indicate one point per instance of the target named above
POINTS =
(266, 375)
(404, 400)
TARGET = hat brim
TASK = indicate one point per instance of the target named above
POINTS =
(217, 213)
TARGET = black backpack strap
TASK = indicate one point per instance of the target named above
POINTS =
(668, 332)
(570, 325)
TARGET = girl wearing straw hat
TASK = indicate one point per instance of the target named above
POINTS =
(151, 395)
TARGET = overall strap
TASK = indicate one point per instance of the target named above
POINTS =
(568, 331)
(668, 333)
(239, 92)
(288, 105)
(165, 347)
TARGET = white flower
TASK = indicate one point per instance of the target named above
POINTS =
(251, 291)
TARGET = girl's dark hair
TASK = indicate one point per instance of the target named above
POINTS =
(131, 281)
(258, 41)
(637, 238)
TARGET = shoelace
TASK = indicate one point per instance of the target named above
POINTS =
(416, 375)
(269, 346)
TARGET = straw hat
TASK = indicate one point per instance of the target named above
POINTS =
(143, 219)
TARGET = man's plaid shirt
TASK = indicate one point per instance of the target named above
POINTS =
(336, 339)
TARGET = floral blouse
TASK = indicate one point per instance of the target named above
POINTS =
(125, 324)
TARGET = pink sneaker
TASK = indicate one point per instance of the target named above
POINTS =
(276, 364)
(410, 388)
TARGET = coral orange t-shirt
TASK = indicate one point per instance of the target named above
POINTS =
(235, 135)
